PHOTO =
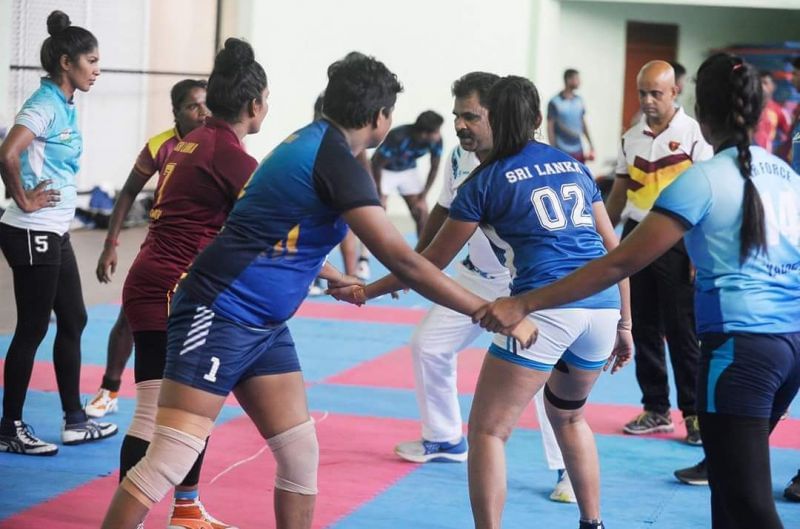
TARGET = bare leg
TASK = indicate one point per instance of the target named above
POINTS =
(575, 438)
(419, 210)
(277, 403)
(125, 511)
(503, 391)
(120, 346)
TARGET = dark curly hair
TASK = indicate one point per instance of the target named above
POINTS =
(182, 88)
(475, 82)
(235, 80)
(428, 121)
(64, 39)
(358, 88)
(729, 102)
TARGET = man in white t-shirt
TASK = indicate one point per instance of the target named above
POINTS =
(663, 144)
(444, 332)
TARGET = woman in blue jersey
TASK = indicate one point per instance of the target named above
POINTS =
(542, 212)
(227, 327)
(739, 213)
(39, 161)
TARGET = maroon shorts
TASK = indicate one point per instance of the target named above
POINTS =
(147, 292)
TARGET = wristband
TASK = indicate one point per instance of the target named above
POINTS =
(111, 242)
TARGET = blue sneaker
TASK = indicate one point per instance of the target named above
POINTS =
(423, 451)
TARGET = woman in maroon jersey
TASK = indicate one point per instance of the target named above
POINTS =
(200, 182)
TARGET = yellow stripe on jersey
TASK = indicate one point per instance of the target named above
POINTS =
(644, 187)
(155, 143)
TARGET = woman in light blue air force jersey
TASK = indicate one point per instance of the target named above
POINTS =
(39, 163)
(739, 214)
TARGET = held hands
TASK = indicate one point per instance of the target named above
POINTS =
(349, 289)
(622, 353)
(39, 197)
(501, 315)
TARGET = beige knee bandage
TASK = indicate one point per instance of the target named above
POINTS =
(296, 453)
(144, 417)
(178, 439)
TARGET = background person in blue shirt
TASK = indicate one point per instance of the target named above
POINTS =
(566, 120)
(39, 161)
(739, 213)
(394, 164)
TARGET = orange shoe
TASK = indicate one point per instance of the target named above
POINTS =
(189, 514)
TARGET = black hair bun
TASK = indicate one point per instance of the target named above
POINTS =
(57, 22)
(236, 55)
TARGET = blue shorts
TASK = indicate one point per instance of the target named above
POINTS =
(207, 352)
(754, 375)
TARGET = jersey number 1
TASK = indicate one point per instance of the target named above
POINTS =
(550, 209)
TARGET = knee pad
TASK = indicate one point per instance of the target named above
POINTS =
(562, 404)
(178, 439)
(144, 416)
(296, 453)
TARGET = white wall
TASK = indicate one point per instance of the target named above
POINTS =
(428, 44)
(5, 61)
(592, 40)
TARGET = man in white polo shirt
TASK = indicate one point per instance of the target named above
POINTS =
(663, 144)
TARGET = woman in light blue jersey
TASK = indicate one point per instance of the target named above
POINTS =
(739, 213)
(39, 161)
(543, 215)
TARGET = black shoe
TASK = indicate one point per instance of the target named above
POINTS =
(595, 524)
(696, 475)
(693, 430)
(792, 492)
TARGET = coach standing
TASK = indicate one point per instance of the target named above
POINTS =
(663, 144)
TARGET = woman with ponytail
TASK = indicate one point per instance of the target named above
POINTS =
(39, 162)
(740, 215)
(543, 213)
(201, 180)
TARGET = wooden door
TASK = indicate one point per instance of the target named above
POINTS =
(644, 42)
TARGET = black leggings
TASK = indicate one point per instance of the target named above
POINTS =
(737, 454)
(149, 362)
(43, 283)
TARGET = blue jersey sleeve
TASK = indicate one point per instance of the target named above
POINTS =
(688, 199)
(436, 149)
(552, 111)
(469, 204)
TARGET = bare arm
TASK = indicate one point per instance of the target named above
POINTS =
(107, 262)
(447, 242)
(611, 241)
(18, 139)
(378, 163)
(435, 160)
(617, 198)
(435, 221)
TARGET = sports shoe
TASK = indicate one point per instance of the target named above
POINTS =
(86, 431)
(24, 442)
(423, 451)
(594, 524)
(362, 270)
(693, 430)
(563, 492)
(649, 422)
(792, 492)
(190, 514)
(103, 403)
(696, 475)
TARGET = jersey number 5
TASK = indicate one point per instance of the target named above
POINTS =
(549, 207)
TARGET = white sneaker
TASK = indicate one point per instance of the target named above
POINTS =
(563, 492)
(24, 442)
(87, 431)
(103, 403)
(362, 271)
(316, 290)
(422, 451)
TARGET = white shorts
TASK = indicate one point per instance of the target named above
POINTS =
(583, 338)
(408, 182)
